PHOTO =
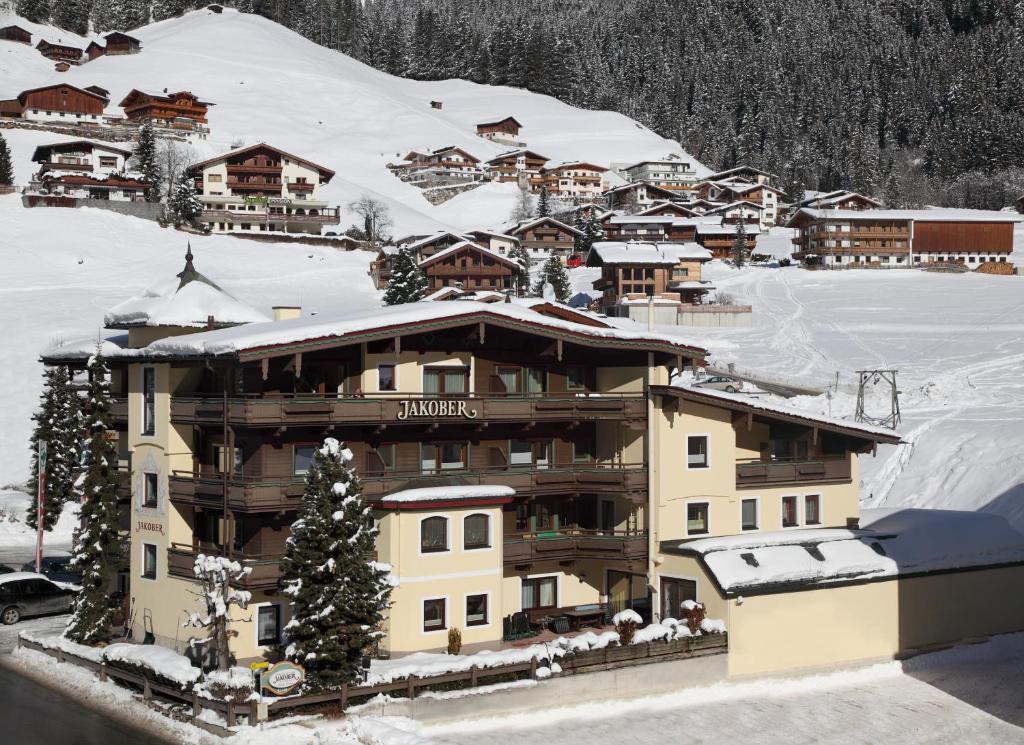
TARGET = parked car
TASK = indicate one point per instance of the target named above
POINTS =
(56, 568)
(4, 569)
(719, 383)
(24, 594)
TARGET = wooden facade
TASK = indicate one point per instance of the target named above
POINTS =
(573, 180)
(947, 236)
(63, 98)
(508, 167)
(16, 33)
(470, 267)
(95, 50)
(59, 52)
(546, 234)
(507, 128)
(121, 43)
(182, 106)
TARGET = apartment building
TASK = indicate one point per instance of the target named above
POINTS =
(520, 166)
(574, 181)
(446, 166)
(81, 169)
(667, 174)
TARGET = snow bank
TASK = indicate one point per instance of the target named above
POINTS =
(163, 662)
(51, 641)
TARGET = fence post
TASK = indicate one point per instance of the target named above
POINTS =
(343, 696)
(254, 712)
(103, 672)
(196, 708)
(472, 676)
(147, 693)
(410, 687)
(533, 668)
(230, 714)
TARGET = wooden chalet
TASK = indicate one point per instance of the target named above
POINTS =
(503, 129)
(180, 109)
(62, 103)
(471, 267)
(659, 228)
(577, 180)
(445, 166)
(81, 169)
(517, 165)
(639, 194)
(544, 236)
(747, 173)
(428, 245)
(841, 199)
(718, 238)
(16, 33)
(95, 50)
(673, 209)
(60, 52)
(743, 211)
(121, 43)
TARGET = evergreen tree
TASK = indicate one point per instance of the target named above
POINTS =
(97, 546)
(408, 284)
(523, 209)
(35, 11)
(590, 231)
(739, 245)
(59, 424)
(72, 15)
(145, 160)
(183, 206)
(6, 166)
(338, 595)
(543, 203)
(553, 273)
(521, 256)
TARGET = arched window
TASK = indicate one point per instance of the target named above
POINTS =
(476, 532)
(434, 534)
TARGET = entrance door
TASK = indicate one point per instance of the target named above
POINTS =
(628, 591)
(673, 593)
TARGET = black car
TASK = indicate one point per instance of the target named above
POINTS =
(24, 594)
(4, 569)
(57, 568)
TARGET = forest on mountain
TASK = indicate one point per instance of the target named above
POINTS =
(912, 101)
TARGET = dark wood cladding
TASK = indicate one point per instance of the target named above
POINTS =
(781, 473)
(606, 545)
(963, 237)
(63, 98)
(265, 571)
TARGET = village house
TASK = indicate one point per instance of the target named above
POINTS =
(736, 190)
(639, 195)
(95, 50)
(669, 174)
(719, 238)
(181, 110)
(521, 167)
(261, 188)
(749, 213)
(469, 266)
(83, 170)
(121, 43)
(544, 237)
(655, 228)
(59, 52)
(908, 238)
(503, 131)
(61, 103)
(498, 242)
(748, 174)
(838, 200)
(674, 209)
(445, 166)
(576, 181)
(428, 245)
(16, 33)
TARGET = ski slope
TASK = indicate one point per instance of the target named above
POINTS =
(271, 85)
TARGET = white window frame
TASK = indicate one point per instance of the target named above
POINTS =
(707, 453)
(656, 606)
(686, 517)
(490, 532)
(256, 623)
(447, 614)
(782, 512)
(558, 587)
(142, 497)
(156, 561)
(376, 377)
(490, 609)
(821, 509)
(757, 514)
(448, 528)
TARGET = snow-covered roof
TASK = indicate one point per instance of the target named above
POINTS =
(890, 543)
(527, 224)
(725, 229)
(738, 203)
(433, 238)
(254, 339)
(639, 252)
(189, 300)
(640, 219)
(931, 214)
(450, 494)
(455, 248)
(85, 347)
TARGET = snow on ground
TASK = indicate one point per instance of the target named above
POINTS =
(17, 540)
(271, 85)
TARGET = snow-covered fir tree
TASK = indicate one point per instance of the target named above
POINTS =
(215, 576)
(590, 231)
(145, 160)
(72, 15)
(519, 254)
(97, 545)
(119, 15)
(543, 203)
(36, 11)
(183, 205)
(553, 273)
(338, 595)
(59, 423)
(6, 166)
(408, 284)
(738, 252)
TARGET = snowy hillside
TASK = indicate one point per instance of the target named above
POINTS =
(269, 84)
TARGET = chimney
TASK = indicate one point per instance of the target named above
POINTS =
(209, 322)
(286, 312)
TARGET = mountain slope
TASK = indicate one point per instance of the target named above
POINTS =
(271, 85)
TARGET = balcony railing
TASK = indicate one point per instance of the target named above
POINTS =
(248, 494)
(265, 569)
(397, 408)
(327, 216)
(757, 472)
(574, 543)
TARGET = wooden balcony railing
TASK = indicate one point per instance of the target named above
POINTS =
(239, 168)
(575, 543)
(265, 569)
(355, 409)
(793, 471)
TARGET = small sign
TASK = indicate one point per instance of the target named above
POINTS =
(254, 199)
(283, 677)
(434, 407)
(42, 454)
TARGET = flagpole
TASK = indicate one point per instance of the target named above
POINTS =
(40, 504)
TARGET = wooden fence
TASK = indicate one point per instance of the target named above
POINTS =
(571, 664)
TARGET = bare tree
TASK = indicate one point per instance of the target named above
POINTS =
(376, 218)
(215, 574)
(174, 157)
(523, 209)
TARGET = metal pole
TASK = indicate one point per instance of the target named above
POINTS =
(40, 504)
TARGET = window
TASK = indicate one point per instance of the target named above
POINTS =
(539, 592)
(748, 514)
(148, 401)
(445, 380)
(673, 593)
(697, 451)
(575, 377)
(268, 625)
(812, 509)
(697, 518)
(386, 378)
(107, 161)
(223, 459)
(582, 451)
(381, 459)
(148, 561)
(789, 512)
(302, 458)
(520, 453)
(433, 534)
(214, 178)
(149, 495)
(680, 273)
(508, 377)
(433, 614)
(476, 531)
(476, 610)
(446, 456)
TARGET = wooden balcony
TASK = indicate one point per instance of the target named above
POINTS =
(270, 494)
(326, 215)
(826, 470)
(570, 544)
(236, 185)
(240, 168)
(119, 408)
(352, 409)
(264, 570)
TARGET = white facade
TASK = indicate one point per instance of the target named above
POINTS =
(61, 117)
(667, 173)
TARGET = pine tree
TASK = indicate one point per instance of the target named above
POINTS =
(145, 160)
(72, 15)
(97, 546)
(408, 284)
(521, 256)
(543, 203)
(590, 232)
(183, 206)
(36, 11)
(553, 273)
(59, 423)
(739, 245)
(339, 596)
(6, 166)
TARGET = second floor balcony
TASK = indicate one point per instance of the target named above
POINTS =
(787, 471)
(575, 543)
(264, 570)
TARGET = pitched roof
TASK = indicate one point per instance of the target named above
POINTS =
(739, 169)
(500, 121)
(324, 171)
(642, 252)
(937, 214)
(39, 153)
(162, 96)
(537, 220)
(516, 154)
(87, 92)
(463, 245)
(576, 164)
